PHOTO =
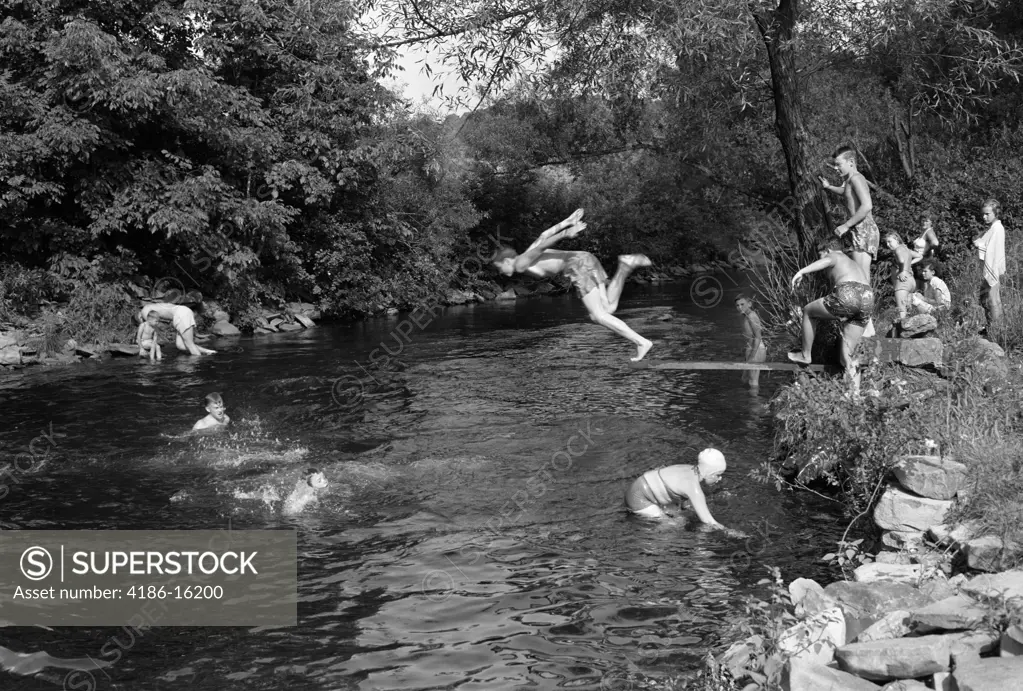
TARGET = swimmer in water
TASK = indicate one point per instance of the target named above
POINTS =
(304, 492)
(658, 489)
(217, 414)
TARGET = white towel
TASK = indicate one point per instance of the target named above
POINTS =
(991, 248)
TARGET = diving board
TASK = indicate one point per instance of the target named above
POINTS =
(725, 365)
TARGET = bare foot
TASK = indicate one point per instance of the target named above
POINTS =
(642, 350)
(207, 351)
(797, 356)
(869, 331)
(574, 230)
(634, 261)
(574, 218)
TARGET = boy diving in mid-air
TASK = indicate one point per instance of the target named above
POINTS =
(599, 295)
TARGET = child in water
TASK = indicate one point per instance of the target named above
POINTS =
(147, 338)
(304, 492)
(217, 414)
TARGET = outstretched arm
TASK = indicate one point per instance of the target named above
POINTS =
(576, 216)
(699, 502)
(829, 187)
(818, 265)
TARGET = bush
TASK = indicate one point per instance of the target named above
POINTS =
(22, 290)
(852, 447)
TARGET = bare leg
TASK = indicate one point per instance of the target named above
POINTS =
(994, 304)
(902, 301)
(595, 305)
(754, 375)
(627, 263)
(815, 310)
(851, 335)
(186, 343)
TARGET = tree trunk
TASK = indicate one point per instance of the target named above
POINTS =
(805, 206)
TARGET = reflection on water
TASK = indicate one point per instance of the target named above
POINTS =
(473, 533)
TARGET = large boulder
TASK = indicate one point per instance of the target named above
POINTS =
(989, 553)
(900, 510)
(917, 325)
(865, 603)
(808, 597)
(1011, 643)
(901, 573)
(806, 676)
(930, 476)
(990, 674)
(507, 295)
(1008, 584)
(892, 625)
(899, 658)
(10, 355)
(225, 328)
(984, 358)
(951, 614)
(912, 352)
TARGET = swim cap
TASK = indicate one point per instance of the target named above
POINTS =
(711, 461)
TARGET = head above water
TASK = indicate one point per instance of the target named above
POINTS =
(315, 478)
(215, 406)
(711, 464)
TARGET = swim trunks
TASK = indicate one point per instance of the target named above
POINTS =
(852, 302)
(866, 237)
(585, 272)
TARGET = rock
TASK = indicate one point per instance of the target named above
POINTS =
(808, 597)
(930, 476)
(984, 358)
(904, 685)
(309, 323)
(1011, 643)
(71, 346)
(522, 291)
(989, 553)
(804, 676)
(899, 658)
(902, 573)
(543, 288)
(261, 330)
(263, 323)
(11, 355)
(943, 681)
(11, 338)
(290, 326)
(457, 297)
(944, 535)
(225, 328)
(892, 625)
(815, 638)
(951, 614)
(865, 603)
(991, 674)
(973, 642)
(902, 539)
(1008, 584)
(913, 352)
(90, 351)
(892, 558)
(507, 295)
(127, 349)
(220, 315)
(736, 659)
(276, 322)
(918, 325)
(900, 510)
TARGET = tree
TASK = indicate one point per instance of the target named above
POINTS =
(628, 49)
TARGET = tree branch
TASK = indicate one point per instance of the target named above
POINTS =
(467, 26)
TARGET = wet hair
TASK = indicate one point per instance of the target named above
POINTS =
(309, 472)
(994, 206)
(845, 152)
(214, 397)
(503, 253)
(829, 245)
(932, 264)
